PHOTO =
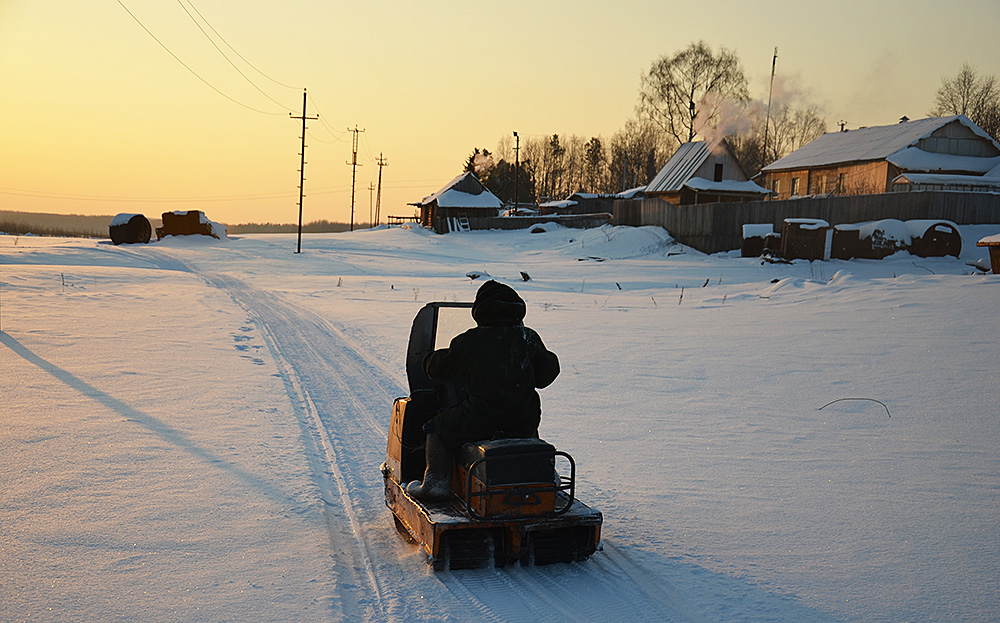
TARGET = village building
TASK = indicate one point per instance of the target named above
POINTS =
(459, 205)
(936, 153)
(704, 172)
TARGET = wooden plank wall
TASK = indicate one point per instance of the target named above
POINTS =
(714, 227)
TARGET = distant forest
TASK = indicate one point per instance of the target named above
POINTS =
(79, 226)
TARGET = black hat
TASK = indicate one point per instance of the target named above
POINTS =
(497, 304)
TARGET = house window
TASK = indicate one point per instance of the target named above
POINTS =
(840, 183)
(795, 186)
(821, 185)
(774, 186)
(718, 172)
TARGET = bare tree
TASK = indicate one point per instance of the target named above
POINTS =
(794, 121)
(977, 97)
(636, 155)
(683, 92)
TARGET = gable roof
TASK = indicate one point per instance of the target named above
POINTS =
(465, 191)
(869, 144)
(689, 157)
(681, 166)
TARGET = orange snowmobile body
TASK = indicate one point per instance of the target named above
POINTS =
(511, 499)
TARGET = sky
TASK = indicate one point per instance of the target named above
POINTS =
(148, 106)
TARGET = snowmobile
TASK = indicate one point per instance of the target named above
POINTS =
(512, 500)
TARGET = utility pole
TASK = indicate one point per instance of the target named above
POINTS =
(371, 213)
(378, 195)
(302, 164)
(517, 165)
(354, 169)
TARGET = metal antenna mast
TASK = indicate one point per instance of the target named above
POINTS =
(302, 164)
(767, 120)
(354, 169)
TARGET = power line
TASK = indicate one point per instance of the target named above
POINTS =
(235, 51)
(338, 136)
(193, 72)
(228, 60)
(368, 150)
(77, 197)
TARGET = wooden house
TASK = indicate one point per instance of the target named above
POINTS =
(704, 172)
(458, 205)
(886, 158)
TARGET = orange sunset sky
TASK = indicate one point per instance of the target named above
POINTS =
(97, 117)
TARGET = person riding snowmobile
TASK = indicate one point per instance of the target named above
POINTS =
(500, 363)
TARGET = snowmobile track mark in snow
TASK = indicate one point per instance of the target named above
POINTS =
(272, 315)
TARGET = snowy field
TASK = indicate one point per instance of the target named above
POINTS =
(191, 430)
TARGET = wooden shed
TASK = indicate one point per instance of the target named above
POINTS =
(461, 204)
(704, 172)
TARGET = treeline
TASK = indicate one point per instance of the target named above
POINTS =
(61, 225)
(314, 227)
(82, 226)
(696, 93)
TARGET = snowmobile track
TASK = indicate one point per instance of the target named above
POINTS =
(341, 396)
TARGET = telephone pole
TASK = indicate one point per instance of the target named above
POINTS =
(517, 165)
(302, 164)
(371, 213)
(354, 169)
(378, 195)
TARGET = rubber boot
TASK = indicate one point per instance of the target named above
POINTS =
(436, 485)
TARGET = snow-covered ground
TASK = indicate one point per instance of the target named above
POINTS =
(191, 430)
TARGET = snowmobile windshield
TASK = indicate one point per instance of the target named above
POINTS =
(451, 321)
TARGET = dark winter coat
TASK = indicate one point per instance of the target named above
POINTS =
(500, 362)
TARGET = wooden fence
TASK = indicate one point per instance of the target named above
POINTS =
(575, 221)
(715, 227)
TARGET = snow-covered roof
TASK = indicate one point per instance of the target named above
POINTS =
(725, 186)
(945, 179)
(562, 203)
(869, 144)
(915, 159)
(680, 171)
(451, 197)
(631, 192)
(681, 166)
